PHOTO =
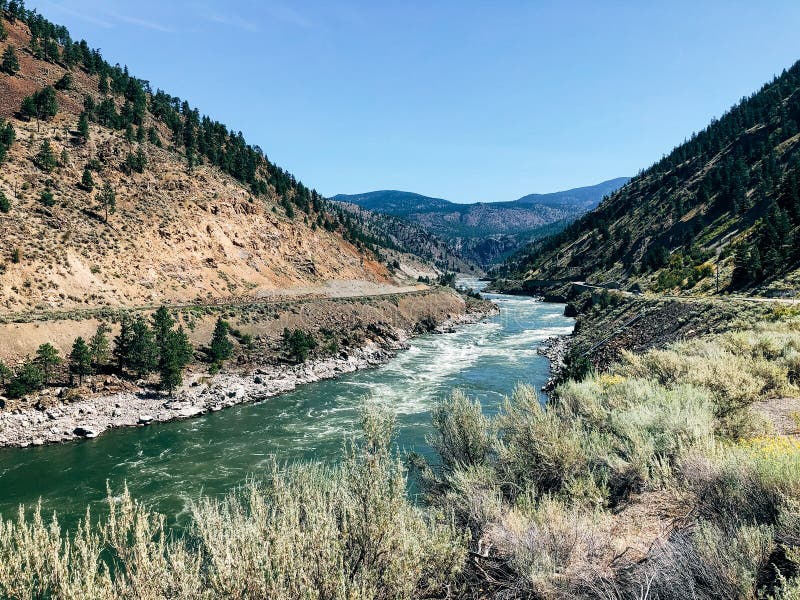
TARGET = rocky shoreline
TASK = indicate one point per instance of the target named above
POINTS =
(201, 394)
(555, 349)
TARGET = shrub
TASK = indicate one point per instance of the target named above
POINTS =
(344, 532)
(298, 344)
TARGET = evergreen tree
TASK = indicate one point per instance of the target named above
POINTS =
(162, 325)
(47, 198)
(65, 83)
(5, 204)
(175, 355)
(27, 379)
(87, 181)
(221, 347)
(99, 345)
(28, 107)
(5, 373)
(45, 158)
(80, 360)
(123, 343)
(83, 126)
(143, 354)
(9, 63)
(102, 84)
(42, 104)
(48, 359)
(108, 200)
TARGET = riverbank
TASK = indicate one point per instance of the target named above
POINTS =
(107, 403)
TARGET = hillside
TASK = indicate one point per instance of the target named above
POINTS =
(486, 232)
(727, 198)
(401, 240)
(195, 213)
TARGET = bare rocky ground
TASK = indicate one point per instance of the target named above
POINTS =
(63, 415)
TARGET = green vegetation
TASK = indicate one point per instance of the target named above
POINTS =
(9, 63)
(47, 359)
(5, 204)
(731, 190)
(344, 532)
(65, 83)
(221, 347)
(298, 344)
(108, 200)
(87, 181)
(47, 198)
(46, 158)
(80, 360)
(42, 104)
(83, 126)
(138, 349)
(654, 475)
(7, 136)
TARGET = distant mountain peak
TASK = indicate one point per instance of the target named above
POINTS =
(485, 232)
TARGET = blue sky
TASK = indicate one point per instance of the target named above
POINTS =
(470, 101)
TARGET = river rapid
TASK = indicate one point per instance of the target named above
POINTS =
(170, 464)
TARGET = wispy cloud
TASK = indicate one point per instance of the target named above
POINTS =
(234, 21)
(289, 15)
(143, 23)
(89, 18)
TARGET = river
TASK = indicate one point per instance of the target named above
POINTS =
(167, 465)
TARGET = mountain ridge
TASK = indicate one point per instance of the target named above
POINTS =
(720, 212)
(484, 232)
(196, 214)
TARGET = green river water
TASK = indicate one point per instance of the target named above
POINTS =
(168, 465)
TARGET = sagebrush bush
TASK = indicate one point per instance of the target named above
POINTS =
(346, 532)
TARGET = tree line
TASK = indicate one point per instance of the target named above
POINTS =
(141, 348)
(199, 137)
(733, 167)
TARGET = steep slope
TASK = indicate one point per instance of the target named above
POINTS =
(729, 197)
(199, 214)
(401, 240)
(486, 232)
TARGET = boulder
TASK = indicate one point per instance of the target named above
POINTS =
(85, 432)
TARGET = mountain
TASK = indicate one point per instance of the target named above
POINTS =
(726, 201)
(113, 194)
(397, 235)
(486, 232)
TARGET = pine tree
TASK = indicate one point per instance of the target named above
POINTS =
(45, 158)
(221, 347)
(65, 83)
(5, 373)
(47, 198)
(80, 360)
(5, 204)
(123, 343)
(83, 126)
(175, 355)
(9, 63)
(108, 200)
(102, 84)
(99, 346)
(48, 359)
(27, 379)
(143, 354)
(162, 325)
(87, 181)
